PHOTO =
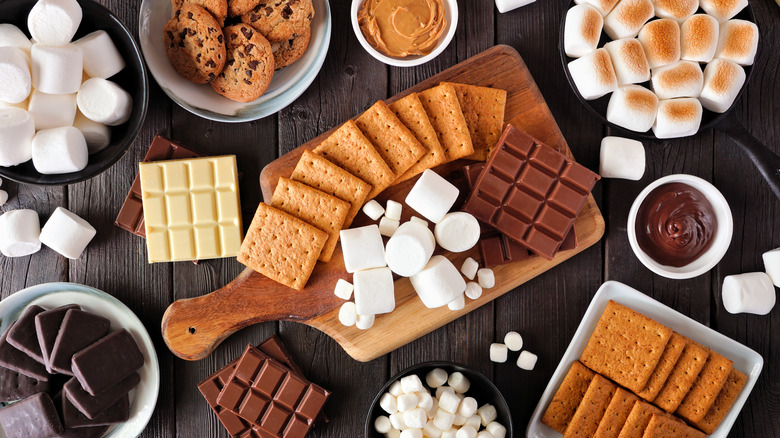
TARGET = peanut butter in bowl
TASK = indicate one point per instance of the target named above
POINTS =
(401, 28)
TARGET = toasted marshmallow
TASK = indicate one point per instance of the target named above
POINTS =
(675, 9)
(681, 79)
(627, 18)
(699, 38)
(677, 118)
(603, 6)
(738, 41)
(722, 81)
(633, 107)
(628, 60)
(723, 10)
(582, 30)
(593, 74)
(661, 41)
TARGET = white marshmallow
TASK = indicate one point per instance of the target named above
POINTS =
(409, 249)
(699, 38)
(12, 36)
(56, 70)
(431, 431)
(67, 233)
(723, 10)
(469, 268)
(20, 232)
(466, 432)
(443, 420)
(411, 433)
(460, 420)
(362, 248)
(681, 79)
(52, 110)
(622, 158)
(105, 102)
(387, 226)
(633, 107)
(374, 291)
(487, 414)
(677, 118)
(438, 283)
(397, 420)
(723, 81)
(582, 30)
(15, 71)
(406, 402)
(675, 9)
(496, 429)
(749, 293)
(348, 314)
(425, 400)
(412, 383)
(365, 322)
(473, 290)
(468, 407)
(434, 408)
(457, 232)
(382, 424)
(59, 150)
(101, 57)
(627, 18)
(459, 382)
(415, 418)
(593, 74)
(21, 105)
(436, 378)
(395, 389)
(484, 434)
(343, 289)
(738, 41)
(661, 41)
(458, 303)
(97, 135)
(54, 22)
(3, 197)
(373, 209)
(418, 220)
(388, 403)
(17, 130)
(394, 433)
(486, 278)
(527, 360)
(393, 210)
(513, 341)
(442, 389)
(448, 402)
(508, 5)
(498, 353)
(603, 6)
(772, 265)
(628, 60)
(1, 182)
(432, 196)
(474, 421)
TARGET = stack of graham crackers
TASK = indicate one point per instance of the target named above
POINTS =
(385, 145)
(684, 381)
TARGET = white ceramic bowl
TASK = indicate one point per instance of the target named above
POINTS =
(451, 14)
(722, 238)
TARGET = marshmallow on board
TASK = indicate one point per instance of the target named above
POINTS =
(409, 249)
(438, 283)
(374, 291)
(457, 231)
(432, 196)
(362, 248)
(20, 232)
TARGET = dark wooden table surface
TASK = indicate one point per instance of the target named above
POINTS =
(546, 311)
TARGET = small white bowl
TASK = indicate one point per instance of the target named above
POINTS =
(450, 13)
(721, 240)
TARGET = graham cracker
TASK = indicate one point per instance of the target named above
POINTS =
(706, 388)
(316, 207)
(616, 414)
(723, 402)
(639, 418)
(669, 358)
(591, 409)
(625, 346)
(411, 112)
(315, 171)
(443, 109)
(352, 151)
(281, 247)
(680, 380)
(663, 427)
(483, 108)
(568, 397)
(392, 139)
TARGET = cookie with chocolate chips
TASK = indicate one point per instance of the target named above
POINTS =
(195, 44)
(240, 7)
(281, 20)
(249, 67)
(289, 51)
(217, 8)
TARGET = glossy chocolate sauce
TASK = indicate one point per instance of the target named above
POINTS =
(675, 224)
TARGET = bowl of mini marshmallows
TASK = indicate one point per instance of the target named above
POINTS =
(439, 399)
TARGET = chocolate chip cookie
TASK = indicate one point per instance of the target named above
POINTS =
(280, 20)
(240, 7)
(195, 44)
(287, 52)
(217, 8)
(249, 67)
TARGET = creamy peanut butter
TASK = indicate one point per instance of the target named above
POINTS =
(400, 28)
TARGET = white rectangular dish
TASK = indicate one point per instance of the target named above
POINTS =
(745, 359)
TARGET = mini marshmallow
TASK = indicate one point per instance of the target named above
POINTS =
(459, 382)
(749, 293)
(527, 360)
(105, 102)
(425, 400)
(496, 429)
(411, 433)
(723, 10)
(513, 341)
(362, 248)
(52, 110)
(393, 210)
(628, 60)
(101, 57)
(633, 107)
(621, 158)
(418, 220)
(498, 353)
(699, 38)
(409, 249)
(458, 303)
(54, 22)
(772, 265)
(448, 402)
(457, 232)
(415, 418)
(487, 414)
(677, 118)
(436, 378)
(722, 82)
(677, 10)
(17, 130)
(365, 322)
(466, 432)
(443, 419)
(412, 383)
(12, 36)
(20, 232)
(388, 226)
(67, 233)
(442, 389)
(374, 291)
(388, 403)
(593, 74)
(397, 420)
(3, 197)
(484, 434)
(509, 5)
(627, 18)
(21, 105)
(56, 70)
(473, 290)
(59, 150)
(661, 41)
(486, 278)
(438, 283)
(738, 42)
(97, 135)
(406, 402)
(434, 408)
(343, 289)
(474, 421)
(432, 196)
(348, 314)
(394, 433)
(681, 79)
(15, 71)
(382, 424)
(373, 209)
(395, 389)
(603, 6)
(582, 30)
(431, 431)
(468, 407)
(460, 420)
(469, 268)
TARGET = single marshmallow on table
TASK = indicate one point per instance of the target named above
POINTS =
(409, 249)
(348, 314)
(593, 74)
(59, 150)
(56, 69)
(723, 10)
(458, 303)
(496, 429)
(17, 130)
(628, 60)
(527, 360)
(103, 101)
(513, 341)
(438, 283)
(365, 322)
(459, 382)
(622, 158)
(473, 290)
(12, 36)
(749, 293)
(603, 6)
(101, 57)
(97, 135)
(699, 38)
(627, 18)
(457, 231)
(633, 107)
(374, 291)
(67, 233)
(469, 268)
(52, 110)
(772, 265)
(54, 22)
(582, 30)
(681, 79)
(432, 196)
(486, 278)
(675, 9)
(738, 42)
(362, 248)
(15, 71)
(661, 41)
(498, 352)
(343, 289)
(20, 232)
(722, 82)
(677, 118)
(508, 5)
(436, 378)
(387, 226)
(382, 424)
(393, 210)
(373, 209)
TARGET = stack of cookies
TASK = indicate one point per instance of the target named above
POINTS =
(235, 45)
(638, 378)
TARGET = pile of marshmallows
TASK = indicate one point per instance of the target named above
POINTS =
(414, 412)
(56, 104)
(753, 292)
(409, 253)
(64, 232)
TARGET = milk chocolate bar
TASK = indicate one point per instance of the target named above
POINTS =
(47, 326)
(107, 362)
(79, 329)
(15, 360)
(93, 405)
(32, 417)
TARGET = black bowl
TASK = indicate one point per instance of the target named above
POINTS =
(482, 389)
(132, 78)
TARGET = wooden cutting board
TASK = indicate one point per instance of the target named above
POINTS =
(192, 328)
